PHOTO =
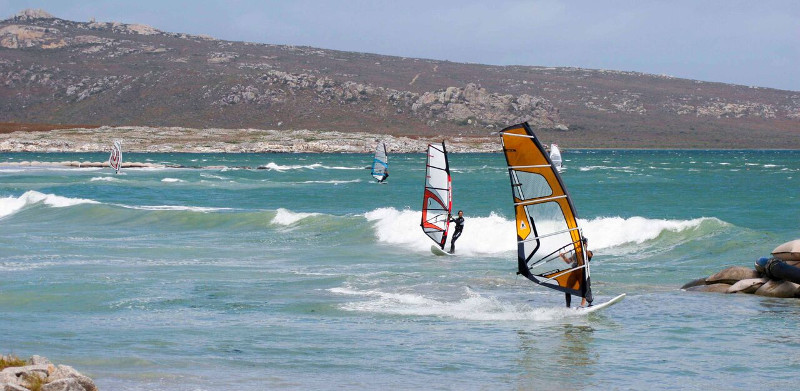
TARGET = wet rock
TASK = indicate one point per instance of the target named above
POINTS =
(699, 281)
(717, 287)
(776, 288)
(732, 275)
(749, 285)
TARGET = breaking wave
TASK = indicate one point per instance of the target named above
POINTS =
(495, 234)
(10, 205)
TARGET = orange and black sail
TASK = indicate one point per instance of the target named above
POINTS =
(549, 246)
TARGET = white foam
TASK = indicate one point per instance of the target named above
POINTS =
(593, 168)
(472, 307)
(175, 207)
(277, 167)
(104, 179)
(497, 235)
(482, 235)
(606, 232)
(172, 180)
(287, 217)
(9, 205)
(214, 176)
(341, 168)
(335, 182)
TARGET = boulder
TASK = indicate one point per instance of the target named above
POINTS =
(777, 288)
(69, 384)
(789, 251)
(732, 275)
(749, 285)
(699, 281)
(67, 372)
(717, 287)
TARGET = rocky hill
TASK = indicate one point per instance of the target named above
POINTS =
(104, 73)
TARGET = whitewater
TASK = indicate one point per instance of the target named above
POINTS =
(303, 273)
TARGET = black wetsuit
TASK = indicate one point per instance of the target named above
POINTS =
(567, 296)
(385, 176)
(457, 232)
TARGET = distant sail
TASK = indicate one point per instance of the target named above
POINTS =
(437, 199)
(380, 164)
(115, 160)
(555, 156)
(547, 225)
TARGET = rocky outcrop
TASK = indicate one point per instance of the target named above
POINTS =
(470, 105)
(719, 109)
(145, 139)
(46, 377)
(739, 279)
(473, 105)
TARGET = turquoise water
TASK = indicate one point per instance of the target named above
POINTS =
(308, 275)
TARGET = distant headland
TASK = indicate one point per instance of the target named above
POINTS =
(56, 71)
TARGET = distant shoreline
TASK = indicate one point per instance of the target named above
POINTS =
(42, 138)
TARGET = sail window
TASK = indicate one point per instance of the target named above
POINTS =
(531, 185)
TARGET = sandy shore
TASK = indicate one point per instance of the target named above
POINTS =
(146, 139)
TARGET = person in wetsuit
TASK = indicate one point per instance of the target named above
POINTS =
(385, 176)
(573, 262)
(459, 226)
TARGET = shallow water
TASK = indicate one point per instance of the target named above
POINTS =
(307, 274)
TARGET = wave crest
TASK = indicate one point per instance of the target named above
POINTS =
(494, 234)
(10, 205)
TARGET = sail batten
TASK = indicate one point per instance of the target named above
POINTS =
(437, 197)
(550, 251)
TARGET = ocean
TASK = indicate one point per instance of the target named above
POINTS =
(309, 275)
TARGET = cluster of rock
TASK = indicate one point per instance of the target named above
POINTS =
(721, 109)
(470, 105)
(776, 277)
(147, 139)
(740, 279)
(40, 370)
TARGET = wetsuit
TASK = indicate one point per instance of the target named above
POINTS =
(573, 261)
(457, 233)
(385, 175)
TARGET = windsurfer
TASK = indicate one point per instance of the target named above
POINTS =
(573, 262)
(459, 226)
(385, 175)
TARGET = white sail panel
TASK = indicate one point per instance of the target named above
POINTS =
(437, 197)
(555, 155)
(115, 160)
(380, 163)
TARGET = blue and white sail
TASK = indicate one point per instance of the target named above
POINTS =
(380, 164)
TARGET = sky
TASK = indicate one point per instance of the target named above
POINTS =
(754, 43)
